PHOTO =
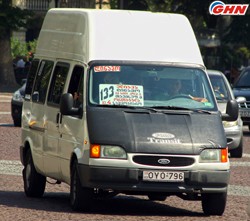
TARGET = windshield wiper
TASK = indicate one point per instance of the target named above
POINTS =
(156, 108)
(130, 107)
(181, 108)
(170, 107)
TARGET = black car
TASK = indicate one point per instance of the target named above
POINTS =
(241, 88)
(17, 104)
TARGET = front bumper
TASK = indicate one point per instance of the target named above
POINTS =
(234, 136)
(127, 179)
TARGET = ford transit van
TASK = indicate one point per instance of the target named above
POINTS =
(120, 102)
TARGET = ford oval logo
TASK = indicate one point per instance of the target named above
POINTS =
(164, 161)
(163, 135)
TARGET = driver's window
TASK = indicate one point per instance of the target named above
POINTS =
(76, 85)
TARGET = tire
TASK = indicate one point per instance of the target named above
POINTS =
(156, 197)
(214, 203)
(238, 152)
(34, 183)
(80, 197)
(17, 122)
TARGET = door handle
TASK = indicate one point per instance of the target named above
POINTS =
(59, 118)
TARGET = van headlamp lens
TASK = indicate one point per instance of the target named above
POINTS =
(214, 155)
(113, 152)
(228, 124)
(210, 155)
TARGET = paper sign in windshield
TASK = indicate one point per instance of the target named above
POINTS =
(107, 68)
(119, 94)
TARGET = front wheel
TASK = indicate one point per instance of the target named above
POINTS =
(17, 122)
(214, 203)
(80, 197)
(34, 183)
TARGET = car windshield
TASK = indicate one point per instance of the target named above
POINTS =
(220, 88)
(244, 79)
(150, 86)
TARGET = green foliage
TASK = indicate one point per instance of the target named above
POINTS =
(244, 52)
(19, 48)
(239, 31)
(113, 4)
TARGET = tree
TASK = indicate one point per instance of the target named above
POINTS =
(11, 18)
(231, 46)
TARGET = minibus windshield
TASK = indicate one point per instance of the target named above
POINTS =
(150, 86)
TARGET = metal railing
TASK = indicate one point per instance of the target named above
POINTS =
(34, 5)
(77, 4)
(44, 5)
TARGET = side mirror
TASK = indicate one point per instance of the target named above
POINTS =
(232, 111)
(66, 105)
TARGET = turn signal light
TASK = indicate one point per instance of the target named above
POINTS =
(95, 151)
(224, 155)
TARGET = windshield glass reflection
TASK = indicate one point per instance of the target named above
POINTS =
(149, 86)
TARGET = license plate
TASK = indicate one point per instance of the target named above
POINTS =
(163, 176)
(245, 113)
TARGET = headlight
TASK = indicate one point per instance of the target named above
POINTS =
(214, 155)
(107, 151)
(17, 96)
(113, 152)
(227, 124)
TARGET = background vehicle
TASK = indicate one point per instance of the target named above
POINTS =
(233, 129)
(17, 104)
(241, 87)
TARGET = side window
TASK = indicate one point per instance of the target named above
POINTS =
(42, 81)
(76, 85)
(58, 82)
(31, 78)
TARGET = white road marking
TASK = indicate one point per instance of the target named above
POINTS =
(240, 164)
(11, 167)
(6, 95)
(5, 112)
(246, 155)
(5, 98)
(235, 190)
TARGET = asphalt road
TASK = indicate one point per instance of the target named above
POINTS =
(14, 205)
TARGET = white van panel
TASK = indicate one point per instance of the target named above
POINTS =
(87, 34)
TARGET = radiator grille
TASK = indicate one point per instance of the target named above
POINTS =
(155, 161)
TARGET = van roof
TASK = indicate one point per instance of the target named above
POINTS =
(92, 34)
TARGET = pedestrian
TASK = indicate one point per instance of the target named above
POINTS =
(20, 62)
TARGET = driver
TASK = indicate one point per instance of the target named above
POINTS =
(217, 91)
(174, 87)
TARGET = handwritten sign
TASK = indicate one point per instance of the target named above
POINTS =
(120, 94)
(107, 68)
